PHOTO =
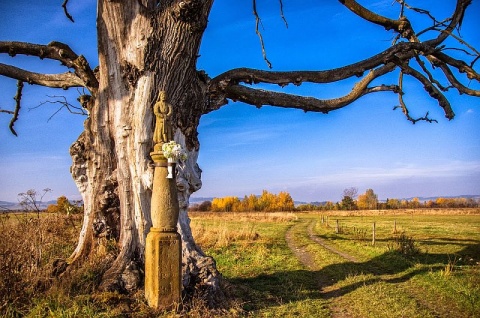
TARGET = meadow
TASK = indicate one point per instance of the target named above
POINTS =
(421, 264)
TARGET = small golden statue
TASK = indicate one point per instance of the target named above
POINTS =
(163, 127)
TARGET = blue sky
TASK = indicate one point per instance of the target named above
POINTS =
(243, 149)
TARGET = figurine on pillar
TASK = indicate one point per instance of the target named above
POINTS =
(163, 275)
(163, 127)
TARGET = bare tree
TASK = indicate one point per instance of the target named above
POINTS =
(148, 46)
(30, 200)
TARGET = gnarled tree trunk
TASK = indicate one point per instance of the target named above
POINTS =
(143, 49)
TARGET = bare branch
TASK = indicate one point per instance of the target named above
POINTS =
(404, 50)
(64, 6)
(64, 80)
(259, 97)
(282, 15)
(402, 25)
(419, 10)
(460, 65)
(430, 76)
(404, 108)
(459, 86)
(431, 90)
(55, 51)
(259, 34)
(6, 111)
(17, 98)
(227, 85)
(455, 22)
(62, 100)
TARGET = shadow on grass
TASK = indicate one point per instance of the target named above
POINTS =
(270, 290)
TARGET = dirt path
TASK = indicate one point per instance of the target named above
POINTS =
(307, 259)
(301, 253)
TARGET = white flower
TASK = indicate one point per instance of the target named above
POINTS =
(174, 151)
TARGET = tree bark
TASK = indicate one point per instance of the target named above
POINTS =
(143, 49)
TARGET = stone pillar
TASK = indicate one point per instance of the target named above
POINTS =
(163, 281)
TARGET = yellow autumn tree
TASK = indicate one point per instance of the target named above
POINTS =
(284, 202)
(226, 204)
(368, 200)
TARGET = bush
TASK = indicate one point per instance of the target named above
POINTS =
(64, 206)
(404, 245)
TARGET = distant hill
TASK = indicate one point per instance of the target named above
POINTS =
(194, 200)
(15, 206)
(422, 199)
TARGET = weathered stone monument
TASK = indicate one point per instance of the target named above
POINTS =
(163, 245)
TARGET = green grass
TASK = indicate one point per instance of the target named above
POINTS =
(437, 276)
(264, 274)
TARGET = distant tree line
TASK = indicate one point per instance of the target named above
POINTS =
(267, 202)
(369, 201)
(270, 202)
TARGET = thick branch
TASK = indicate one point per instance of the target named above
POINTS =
(458, 64)
(368, 15)
(252, 76)
(64, 80)
(55, 51)
(402, 25)
(260, 97)
(459, 86)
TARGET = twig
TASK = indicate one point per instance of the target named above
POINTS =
(6, 111)
(259, 34)
(64, 5)
(404, 108)
(282, 15)
(430, 76)
(64, 103)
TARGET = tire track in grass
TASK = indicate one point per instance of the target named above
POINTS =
(328, 291)
(333, 293)
(299, 251)
(324, 244)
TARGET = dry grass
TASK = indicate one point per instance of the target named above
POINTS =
(438, 211)
(222, 234)
(246, 216)
(31, 243)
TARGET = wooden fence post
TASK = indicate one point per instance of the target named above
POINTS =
(373, 235)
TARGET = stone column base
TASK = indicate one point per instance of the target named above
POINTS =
(163, 277)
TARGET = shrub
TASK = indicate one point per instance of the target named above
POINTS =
(404, 245)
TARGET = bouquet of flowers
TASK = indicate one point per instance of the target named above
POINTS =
(173, 151)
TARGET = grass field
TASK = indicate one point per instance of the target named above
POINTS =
(274, 265)
(300, 266)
